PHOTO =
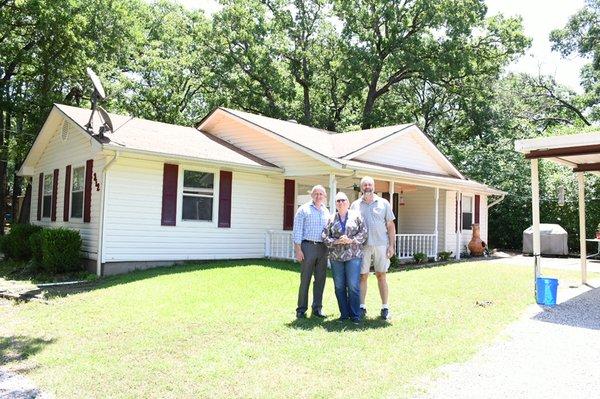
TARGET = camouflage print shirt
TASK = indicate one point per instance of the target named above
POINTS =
(355, 230)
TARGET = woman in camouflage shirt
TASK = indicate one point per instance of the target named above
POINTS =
(344, 235)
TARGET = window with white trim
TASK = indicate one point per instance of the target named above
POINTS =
(47, 201)
(198, 195)
(77, 184)
(467, 212)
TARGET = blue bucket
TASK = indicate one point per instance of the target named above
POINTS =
(546, 291)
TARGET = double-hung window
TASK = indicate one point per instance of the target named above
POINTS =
(77, 192)
(198, 195)
(47, 202)
(467, 212)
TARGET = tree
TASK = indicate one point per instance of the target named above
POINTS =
(581, 35)
(44, 49)
(446, 42)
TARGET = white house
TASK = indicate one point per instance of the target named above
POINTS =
(150, 193)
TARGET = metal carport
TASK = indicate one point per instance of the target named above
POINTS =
(580, 152)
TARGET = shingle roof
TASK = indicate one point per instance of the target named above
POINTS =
(145, 135)
(324, 142)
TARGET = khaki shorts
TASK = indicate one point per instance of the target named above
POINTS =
(376, 255)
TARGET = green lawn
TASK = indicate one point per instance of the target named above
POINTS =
(227, 329)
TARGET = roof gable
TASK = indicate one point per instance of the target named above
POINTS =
(52, 125)
(407, 148)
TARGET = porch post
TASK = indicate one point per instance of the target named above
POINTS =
(535, 209)
(582, 242)
(391, 191)
(435, 222)
(458, 223)
(332, 192)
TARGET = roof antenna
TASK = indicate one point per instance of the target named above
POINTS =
(98, 94)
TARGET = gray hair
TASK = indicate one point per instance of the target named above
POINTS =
(367, 179)
(318, 187)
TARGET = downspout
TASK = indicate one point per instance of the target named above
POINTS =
(101, 227)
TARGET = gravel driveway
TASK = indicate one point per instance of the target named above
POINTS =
(14, 386)
(552, 353)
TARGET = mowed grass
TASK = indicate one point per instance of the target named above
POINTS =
(228, 329)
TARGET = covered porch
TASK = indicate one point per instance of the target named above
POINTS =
(426, 216)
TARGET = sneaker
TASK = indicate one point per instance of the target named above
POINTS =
(356, 321)
(343, 319)
(300, 315)
(318, 313)
(385, 314)
(363, 313)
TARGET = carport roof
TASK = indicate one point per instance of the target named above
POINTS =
(581, 152)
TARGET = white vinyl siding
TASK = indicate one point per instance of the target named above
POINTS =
(76, 150)
(405, 151)
(138, 236)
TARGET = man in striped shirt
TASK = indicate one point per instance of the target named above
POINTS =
(309, 222)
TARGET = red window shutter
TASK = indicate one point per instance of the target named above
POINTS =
(87, 194)
(40, 196)
(169, 196)
(477, 201)
(54, 195)
(67, 199)
(289, 196)
(225, 183)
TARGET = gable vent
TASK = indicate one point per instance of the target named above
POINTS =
(64, 131)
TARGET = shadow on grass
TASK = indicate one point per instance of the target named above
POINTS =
(581, 311)
(17, 348)
(137, 275)
(335, 325)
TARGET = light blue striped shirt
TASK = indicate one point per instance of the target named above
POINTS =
(309, 222)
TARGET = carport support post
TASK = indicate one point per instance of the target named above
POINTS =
(435, 221)
(332, 192)
(582, 243)
(535, 210)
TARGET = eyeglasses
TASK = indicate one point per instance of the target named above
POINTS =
(340, 200)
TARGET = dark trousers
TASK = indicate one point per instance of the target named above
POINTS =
(314, 263)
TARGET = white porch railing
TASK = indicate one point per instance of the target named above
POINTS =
(279, 244)
(409, 244)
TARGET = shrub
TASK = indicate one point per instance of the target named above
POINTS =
(420, 257)
(61, 250)
(35, 245)
(15, 245)
(445, 255)
(394, 262)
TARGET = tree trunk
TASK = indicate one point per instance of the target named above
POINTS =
(367, 116)
(3, 163)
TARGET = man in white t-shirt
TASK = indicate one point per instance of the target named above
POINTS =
(381, 241)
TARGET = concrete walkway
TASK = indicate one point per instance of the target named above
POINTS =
(505, 258)
(548, 353)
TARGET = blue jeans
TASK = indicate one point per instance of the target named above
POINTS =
(346, 278)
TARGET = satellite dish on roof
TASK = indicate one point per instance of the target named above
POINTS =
(99, 90)
(98, 93)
